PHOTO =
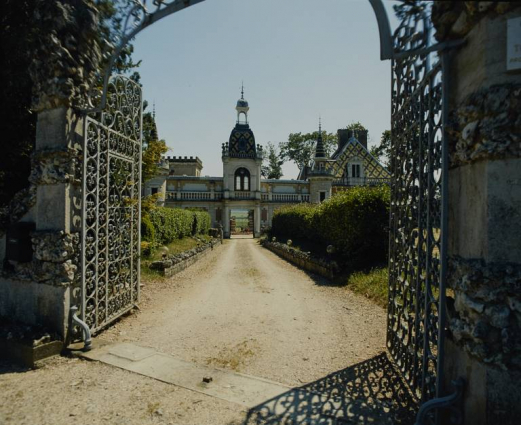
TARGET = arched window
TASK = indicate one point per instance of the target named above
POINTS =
(242, 179)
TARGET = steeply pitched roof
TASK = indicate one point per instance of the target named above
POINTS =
(353, 148)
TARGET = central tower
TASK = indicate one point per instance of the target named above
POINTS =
(242, 141)
(242, 160)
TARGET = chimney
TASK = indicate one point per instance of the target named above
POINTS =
(362, 137)
(343, 137)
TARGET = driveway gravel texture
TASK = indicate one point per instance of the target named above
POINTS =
(240, 308)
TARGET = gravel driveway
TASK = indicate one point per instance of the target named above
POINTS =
(240, 308)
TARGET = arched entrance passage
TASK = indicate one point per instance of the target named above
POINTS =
(418, 222)
(242, 222)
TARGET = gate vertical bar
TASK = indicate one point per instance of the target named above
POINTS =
(444, 220)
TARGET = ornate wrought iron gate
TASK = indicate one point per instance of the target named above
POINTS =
(111, 205)
(417, 266)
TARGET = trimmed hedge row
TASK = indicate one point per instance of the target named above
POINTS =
(164, 225)
(355, 222)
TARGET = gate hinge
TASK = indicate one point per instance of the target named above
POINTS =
(451, 402)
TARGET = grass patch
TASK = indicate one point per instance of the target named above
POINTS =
(176, 247)
(372, 284)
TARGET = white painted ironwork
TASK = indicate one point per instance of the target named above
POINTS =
(111, 206)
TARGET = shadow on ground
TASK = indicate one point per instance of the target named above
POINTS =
(370, 392)
(7, 366)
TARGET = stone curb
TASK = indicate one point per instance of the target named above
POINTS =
(179, 262)
(302, 259)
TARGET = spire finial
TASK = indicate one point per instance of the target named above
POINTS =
(154, 110)
(319, 150)
(242, 90)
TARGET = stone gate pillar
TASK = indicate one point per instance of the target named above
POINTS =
(484, 239)
(226, 220)
(40, 291)
(63, 70)
(257, 221)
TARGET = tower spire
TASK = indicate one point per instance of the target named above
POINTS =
(242, 90)
(320, 152)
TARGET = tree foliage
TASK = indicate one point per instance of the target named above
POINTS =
(356, 127)
(384, 148)
(272, 167)
(153, 148)
(19, 32)
(300, 147)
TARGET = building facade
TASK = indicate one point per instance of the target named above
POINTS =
(241, 187)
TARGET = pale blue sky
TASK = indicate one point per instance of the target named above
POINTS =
(298, 59)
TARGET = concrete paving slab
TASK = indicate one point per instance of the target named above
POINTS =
(238, 388)
(131, 352)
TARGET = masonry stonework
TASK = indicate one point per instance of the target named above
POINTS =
(484, 201)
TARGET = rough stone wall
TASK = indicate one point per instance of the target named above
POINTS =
(484, 275)
(176, 263)
(455, 19)
(55, 259)
(303, 259)
(67, 59)
(487, 125)
(20, 205)
(487, 312)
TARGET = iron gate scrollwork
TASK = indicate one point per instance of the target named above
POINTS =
(111, 205)
(418, 162)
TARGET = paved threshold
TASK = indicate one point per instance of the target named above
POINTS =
(246, 390)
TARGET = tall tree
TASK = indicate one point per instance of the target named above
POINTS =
(153, 147)
(272, 167)
(300, 148)
(383, 149)
(356, 127)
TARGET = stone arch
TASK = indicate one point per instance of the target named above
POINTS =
(242, 179)
(138, 17)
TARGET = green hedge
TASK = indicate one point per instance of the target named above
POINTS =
(355, 222)
(162, 225)
(201, 222)
(147, 229)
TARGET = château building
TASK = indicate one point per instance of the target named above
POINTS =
(241, 188)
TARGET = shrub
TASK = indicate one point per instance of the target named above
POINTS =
(169, 224)
(146, 249)
(294, 221)
(355, 222)
(147, 229)
(201, 222)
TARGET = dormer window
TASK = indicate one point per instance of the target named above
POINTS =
(355, 170)
(242, 179)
